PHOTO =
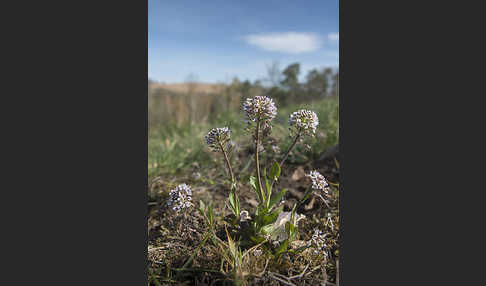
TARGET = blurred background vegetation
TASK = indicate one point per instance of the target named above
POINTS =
(180, 115)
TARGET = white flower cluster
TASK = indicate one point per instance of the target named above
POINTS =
(303, 122)
(259, 108)
(318, 181)
(180, 198)
(217, 136)
(318, 241)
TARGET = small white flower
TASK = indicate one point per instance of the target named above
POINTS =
(218, 137)
(303, 122)
(318, 241)
(180, 198)
(259, 108)
(318, 181)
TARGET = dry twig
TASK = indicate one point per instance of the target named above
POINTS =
(273, 275)
(301, 274)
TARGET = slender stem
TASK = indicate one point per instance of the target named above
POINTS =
(319, 195)
(288, 151)
(257, 162)
(227, 162)
(287, 154)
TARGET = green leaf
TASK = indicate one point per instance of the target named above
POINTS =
(269, 192)
(294, 235)
(237, 206)
(202, 207)
(292, 218)
(262, 210)
(275, 199)
(260, 214)
(257, 239)
(256, 187)
(253, 183)
(268, 229)
(274, 171)
(209, 213)
(270, 218)
(283, 247)
(287, 228)
(277, 210)
(232, 201)
(231, 244)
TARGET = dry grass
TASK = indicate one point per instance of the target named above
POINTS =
(198, 87)
(168, 107)
(174, 237)
(190, 103)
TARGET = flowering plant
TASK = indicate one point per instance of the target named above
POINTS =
(269, 225)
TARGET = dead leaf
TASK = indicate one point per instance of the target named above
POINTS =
(278, 228)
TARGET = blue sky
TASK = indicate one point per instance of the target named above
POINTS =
(218, 40)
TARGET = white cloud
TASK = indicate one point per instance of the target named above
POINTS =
(333, 36)
(290, 42)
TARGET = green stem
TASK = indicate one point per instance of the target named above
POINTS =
(257, 162)
(287, 154)
(288, 151)
(228, 165)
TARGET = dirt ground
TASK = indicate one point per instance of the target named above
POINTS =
(174, 237)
